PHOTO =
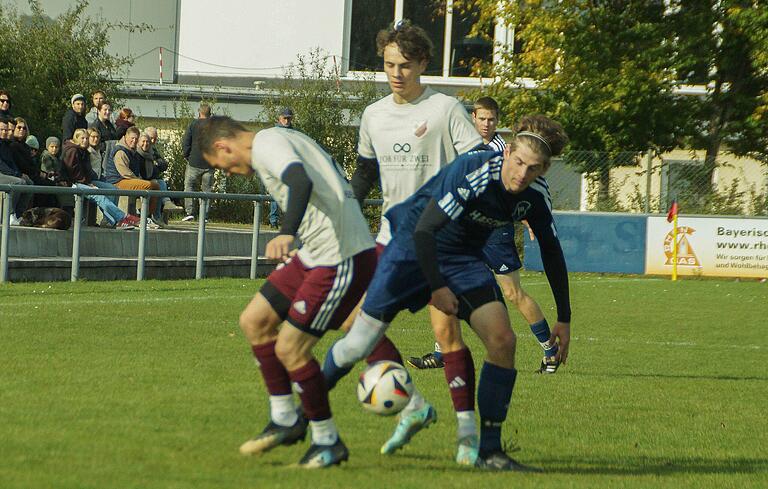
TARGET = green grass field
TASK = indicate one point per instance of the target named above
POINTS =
(151, 385)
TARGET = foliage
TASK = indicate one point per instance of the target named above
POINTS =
(44, 61)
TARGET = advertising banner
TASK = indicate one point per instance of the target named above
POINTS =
(709, 246)
(596, 242)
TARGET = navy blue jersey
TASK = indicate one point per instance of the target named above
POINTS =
(471, 193)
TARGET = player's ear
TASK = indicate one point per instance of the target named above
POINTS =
(507, 151)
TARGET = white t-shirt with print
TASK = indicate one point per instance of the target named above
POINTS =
(333, 228)
(411, 142)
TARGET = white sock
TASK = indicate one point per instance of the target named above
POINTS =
(324, 432)
(417, 402)
(466, 426)
(282, 410)
(437, 347)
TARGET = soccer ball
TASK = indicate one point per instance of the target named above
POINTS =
(385, 388)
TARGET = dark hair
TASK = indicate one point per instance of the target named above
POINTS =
(413, 41)
(204, 109)
(105, 102)
(214, 128)
(486, 103)
(98, 91)
(552, 132)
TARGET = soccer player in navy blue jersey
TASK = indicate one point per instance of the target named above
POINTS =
(435, 257)
(502, 258)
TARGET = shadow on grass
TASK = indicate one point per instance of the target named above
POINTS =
(661, 466)
(675, 376)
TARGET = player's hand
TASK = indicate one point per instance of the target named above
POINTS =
(530, 231)
(279, 248)
(561, 331)
(444, 300)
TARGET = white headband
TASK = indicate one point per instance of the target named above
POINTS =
(537, 136)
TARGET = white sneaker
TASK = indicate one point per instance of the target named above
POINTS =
(188, 218)
(152, 224)
(15, 221)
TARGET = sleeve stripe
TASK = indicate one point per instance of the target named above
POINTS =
(544, 193)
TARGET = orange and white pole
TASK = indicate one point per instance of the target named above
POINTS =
(674, 248)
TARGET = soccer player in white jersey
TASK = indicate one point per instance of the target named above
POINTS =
(315, 290)
(405, 139)
(501, 256)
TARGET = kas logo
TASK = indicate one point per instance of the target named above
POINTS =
(685, 254)
(521, 210)
(301, 307)
(463, 192)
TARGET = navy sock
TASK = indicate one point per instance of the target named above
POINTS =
(494, 392)
(542, 333)
(332, 372)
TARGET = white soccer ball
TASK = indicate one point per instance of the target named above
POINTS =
(385, 388)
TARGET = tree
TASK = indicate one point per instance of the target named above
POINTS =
(601, 68)
(44, 61)
(724, 44)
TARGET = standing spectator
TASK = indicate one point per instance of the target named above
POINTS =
(125, 119)
(5, 104)
(285, 119)
(78, 173)
(123, 169)
(107, 130)
(95, 152)
(10, 174)
(74, 118)
(198, 168)
(98, 97)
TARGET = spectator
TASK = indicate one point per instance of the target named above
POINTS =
(74, 118)
(49, 160)
(198, 168)
(5, 104)
(78, 173)
(123, 169)
(95, 151)
(98, 98)
(125, 119)
(107, 130)
(10, 174)
(34, 146)
(285, 119)
(161, 165)
(25, 158)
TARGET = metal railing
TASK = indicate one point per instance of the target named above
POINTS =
(79, 194)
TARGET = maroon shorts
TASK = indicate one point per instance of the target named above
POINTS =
(320, 298)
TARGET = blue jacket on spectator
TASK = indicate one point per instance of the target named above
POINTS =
(111, 173)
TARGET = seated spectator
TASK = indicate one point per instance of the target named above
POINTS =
(123, 169)
(152, 169)
(161, 165)
(10, 174)
(95, 151)
(25, 159)
(98, 97)
(5, 104)
(34, 147)
(125, 119)
(78, 173)
(74, 118)
(107, 130)
(49, 159)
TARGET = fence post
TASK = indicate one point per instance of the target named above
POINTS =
(75, 273)
(142, 237)
(648, 169)
(6, 225)
(203, 214)
(255, 243)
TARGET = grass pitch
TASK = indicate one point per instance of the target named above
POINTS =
(151, 385)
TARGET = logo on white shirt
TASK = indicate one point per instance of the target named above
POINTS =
(301, 307)
(419, 128)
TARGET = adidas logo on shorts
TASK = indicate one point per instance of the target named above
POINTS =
(503, 268)
(301, 307)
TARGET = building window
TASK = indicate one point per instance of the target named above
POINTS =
(455, 53)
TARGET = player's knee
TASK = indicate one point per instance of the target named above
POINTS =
(288, 355)
(502, 342)
(252, 324)
(515, 295)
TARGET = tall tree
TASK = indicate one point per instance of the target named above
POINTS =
(601, 68)
(44, 61)
(724, 44)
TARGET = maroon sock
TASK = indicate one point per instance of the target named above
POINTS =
(384, 350)
(312, 391)
(460, 374)
(275, 376)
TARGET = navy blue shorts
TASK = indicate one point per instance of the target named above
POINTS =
(399, 284)
(502, 258)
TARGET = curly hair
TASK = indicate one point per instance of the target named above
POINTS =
(544, 135)
(413, 41)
